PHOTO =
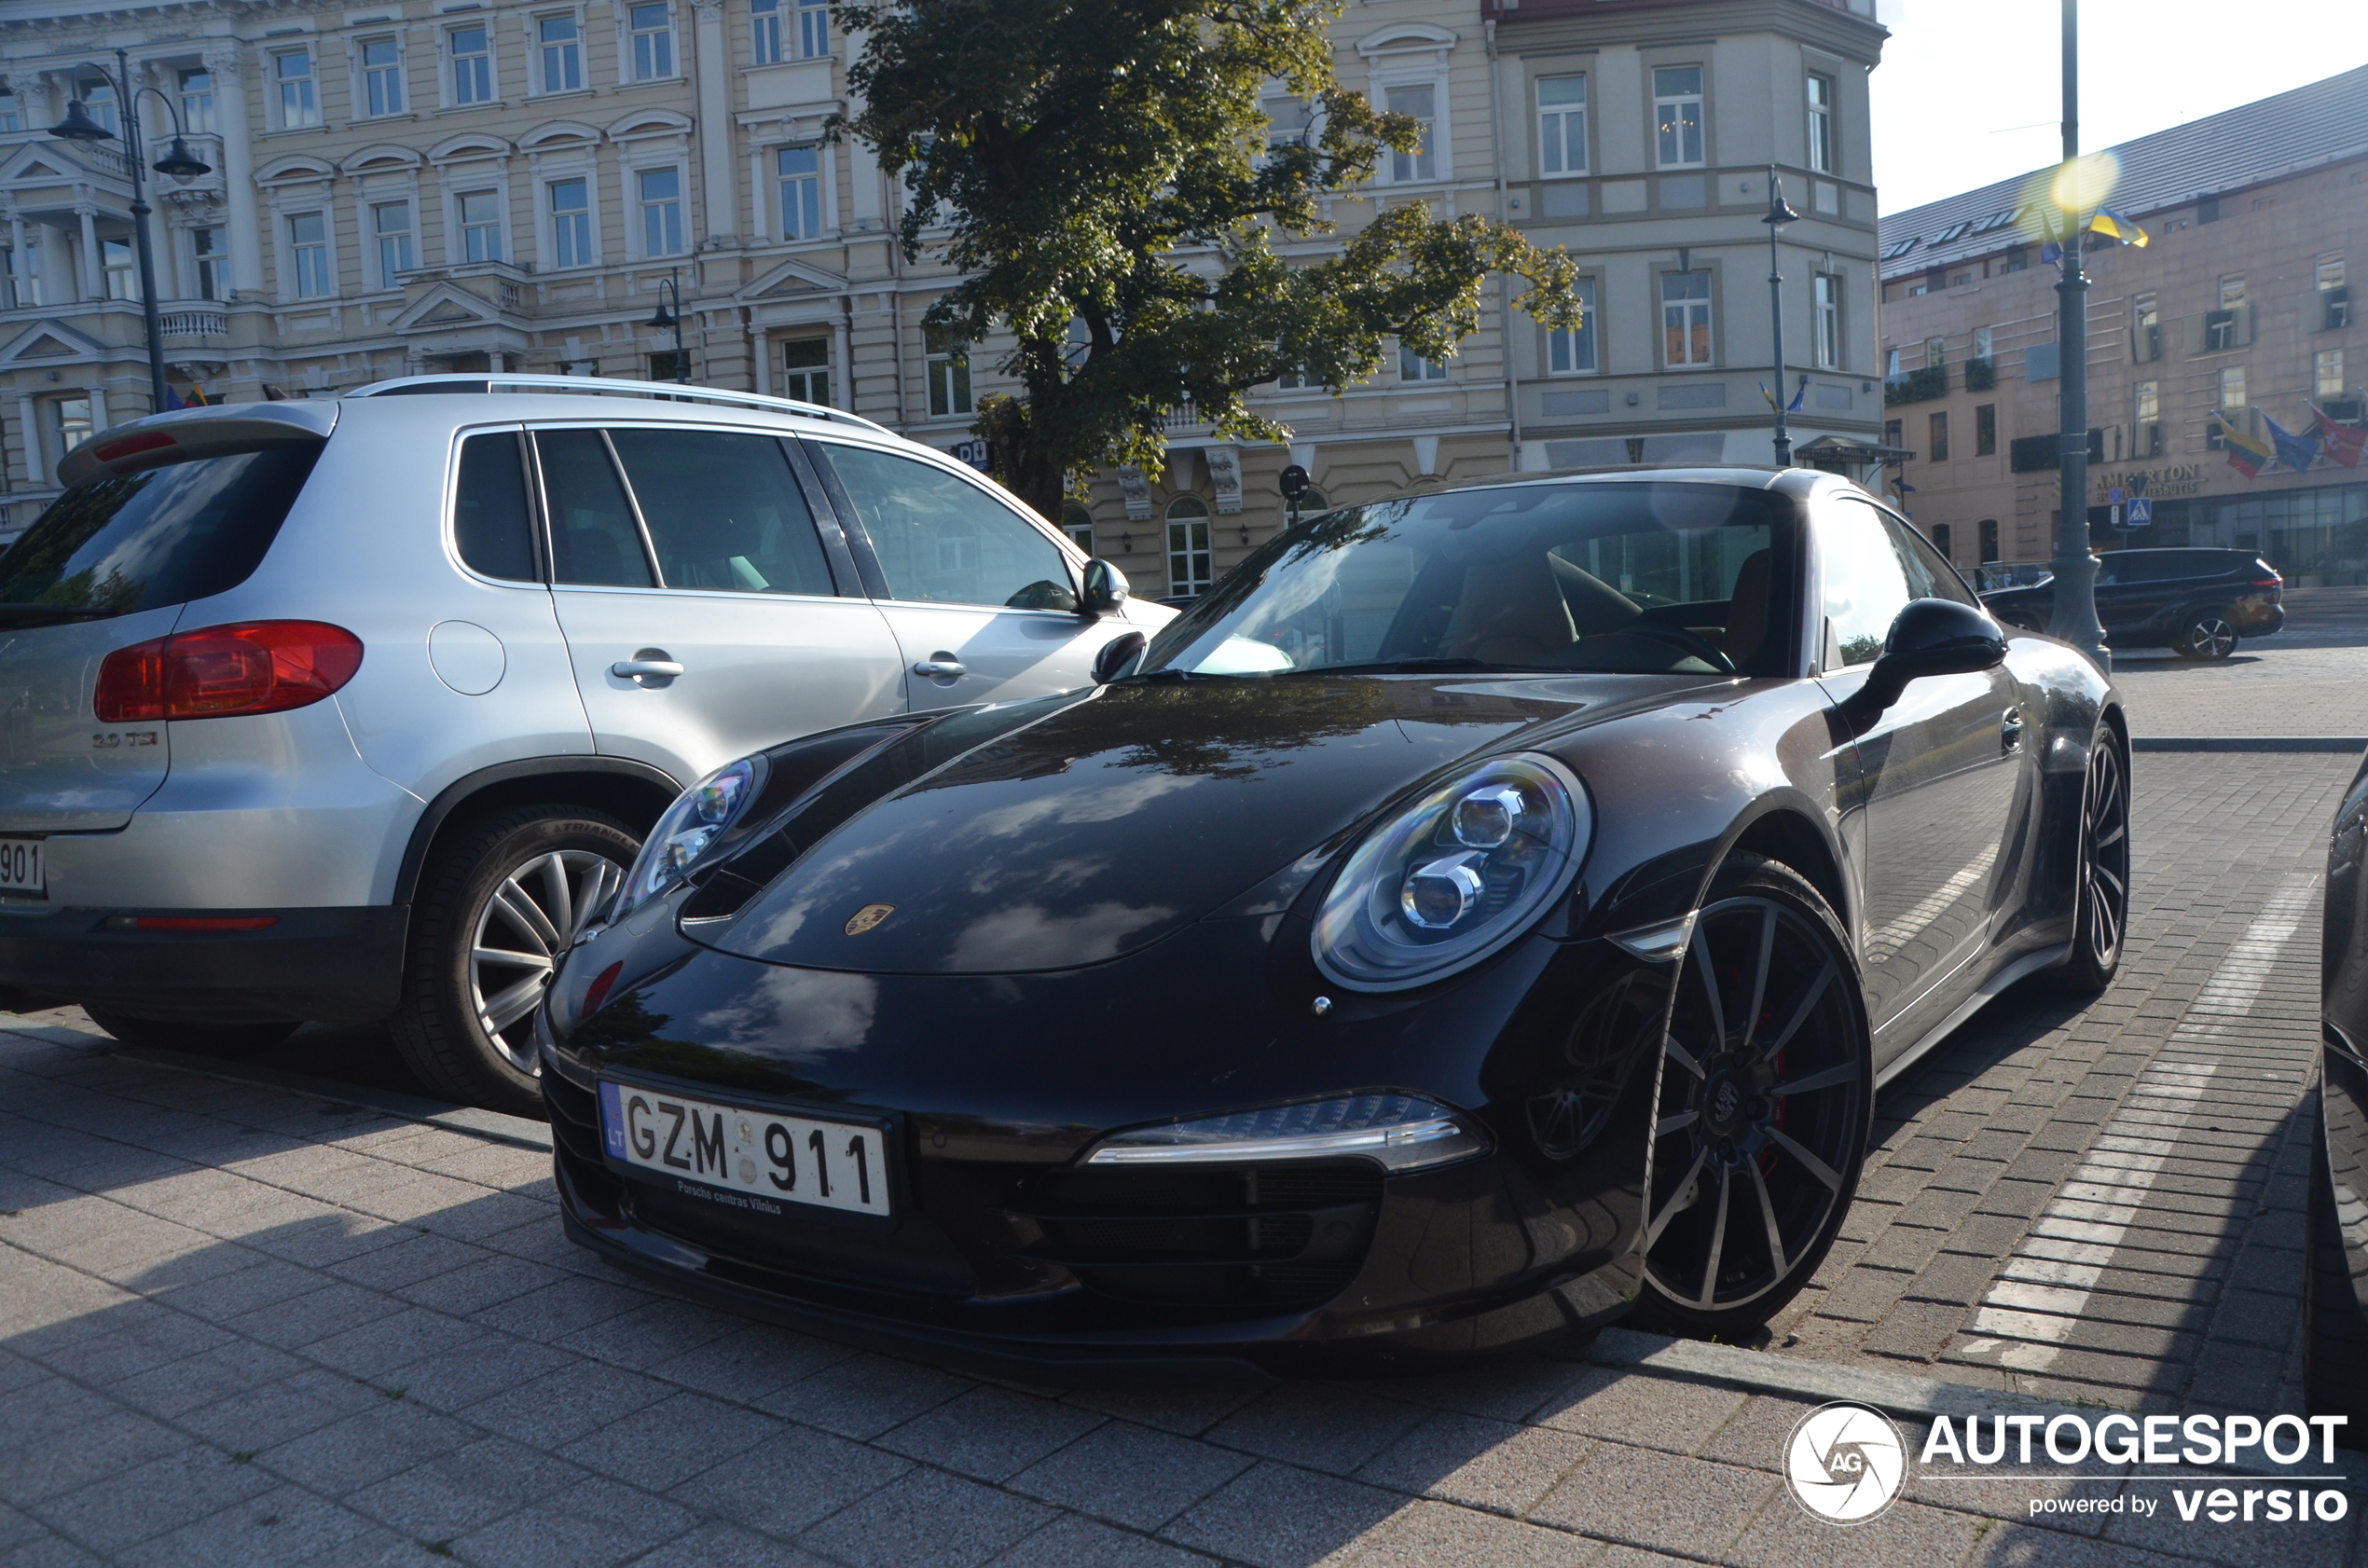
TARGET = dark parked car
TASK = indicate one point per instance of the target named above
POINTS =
(2195, 602)
(1482, 914)
(2335, 1282)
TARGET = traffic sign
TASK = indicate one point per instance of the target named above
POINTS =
(2112, 497)
(2142, 512)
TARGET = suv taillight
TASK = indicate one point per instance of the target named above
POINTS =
(251, 667)
(2267, 577)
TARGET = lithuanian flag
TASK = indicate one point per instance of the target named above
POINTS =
(2246, 453)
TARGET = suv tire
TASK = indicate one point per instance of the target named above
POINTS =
(525, 880)
(205, 1039)
(2208, 637)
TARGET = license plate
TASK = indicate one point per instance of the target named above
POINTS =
(751, 1160)
(21, 867)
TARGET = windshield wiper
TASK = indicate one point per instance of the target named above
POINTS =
(50, 614)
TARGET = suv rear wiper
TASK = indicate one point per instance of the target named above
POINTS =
(13, 615)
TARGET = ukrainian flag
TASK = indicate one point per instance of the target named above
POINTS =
(2107, 221)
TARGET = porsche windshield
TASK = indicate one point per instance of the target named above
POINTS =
(1644, 578)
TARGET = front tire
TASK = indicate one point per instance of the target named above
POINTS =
(2334, 1330)
(1765, 1098)
(2100, 903)
(501, 903)
(2206, 637)
(197, 1035)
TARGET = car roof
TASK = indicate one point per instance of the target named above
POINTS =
(486, 385)
(1790, 481)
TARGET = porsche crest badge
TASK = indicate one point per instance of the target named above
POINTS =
(867, 916)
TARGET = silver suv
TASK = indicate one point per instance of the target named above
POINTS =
(357, 709)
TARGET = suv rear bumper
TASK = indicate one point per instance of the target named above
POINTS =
(338, 966)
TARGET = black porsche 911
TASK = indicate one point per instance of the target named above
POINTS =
(1485, 914)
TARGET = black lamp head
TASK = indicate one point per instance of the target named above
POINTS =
(1780, 211)
(79, 127)
(181, 163)
(664, 318)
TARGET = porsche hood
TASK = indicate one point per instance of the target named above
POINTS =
(1101, 828)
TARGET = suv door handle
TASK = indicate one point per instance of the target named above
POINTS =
(649, 665)
(2010, 730)
(944, 666)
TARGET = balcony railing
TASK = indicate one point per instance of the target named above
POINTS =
(1917, 386)
(1980, 375)
(194, 324)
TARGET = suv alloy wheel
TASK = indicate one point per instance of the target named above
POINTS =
(502, 901)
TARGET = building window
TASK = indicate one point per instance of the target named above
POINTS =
(120, 268)
(98, 98)
(653, 42)
(949, 374)
(562, 54)
(390, 221)
(1677, 116)
(1941, 542)
(69, 425)
(471, 66)
(480, 225)
(1986, 430)
(1562, 125)
(813, 29)
(1935, 352)
(570, 223)
(807, 370)
(2232, 407)
(309, 254)
(197, 102)
(765, 31)
(382, 76)
(661, 191)
(1421, 105)
(210, 251)
(666, 365)
(2146, 330)
(25, 273)
(1828, 325)
(1937, 444)
(1989, 539)
(1685, 318)
(800, 173)
(1190, 570)
(1078, 523)
(1821, 123)
(2221, 328)
(2146, 429)
(2327, 372)
(12, 112)
(299, 104)
(2016, 261)
(1413, 366)
(1573, 353)
(2334, 294)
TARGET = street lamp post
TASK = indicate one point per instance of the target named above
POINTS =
(2074, 617)
(1779, 215)
(180, 163)
(664, 318)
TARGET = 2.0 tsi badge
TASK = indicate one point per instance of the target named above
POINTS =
(867, 916)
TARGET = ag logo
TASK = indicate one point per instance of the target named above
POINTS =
(1846, 1463)
(867, 916)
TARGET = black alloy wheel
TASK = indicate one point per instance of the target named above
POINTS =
(197, 1035)
(2208, 637)
(502, 900)
(2334, 1329)
(1766, 1095)
(2101, 912)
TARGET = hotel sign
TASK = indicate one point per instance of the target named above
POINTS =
(2154, 482)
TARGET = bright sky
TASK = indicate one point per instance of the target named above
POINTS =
(1969, 90)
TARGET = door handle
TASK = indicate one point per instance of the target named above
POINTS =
(649, 667)
(944, 666)
(2010, 730)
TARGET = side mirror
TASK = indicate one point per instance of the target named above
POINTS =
(1931, 636)
(1117, 657)
(1106, 589)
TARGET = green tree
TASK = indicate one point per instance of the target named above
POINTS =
(1107, 163)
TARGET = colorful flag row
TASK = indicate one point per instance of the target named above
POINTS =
(2331, 438)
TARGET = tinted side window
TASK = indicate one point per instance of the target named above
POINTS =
(725, 511)
(1864, 583)
(942, 539)
(490, 523)
(593, 536)
(166, 536)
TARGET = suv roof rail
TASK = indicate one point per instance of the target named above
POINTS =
(598, 385)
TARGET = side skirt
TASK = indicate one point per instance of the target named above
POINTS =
(2030, 963)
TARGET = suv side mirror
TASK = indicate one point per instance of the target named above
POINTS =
(1106, 589)
(1119, 657)
(1931, 636)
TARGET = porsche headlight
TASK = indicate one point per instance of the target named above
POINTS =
(1463, 871)
(690, 828)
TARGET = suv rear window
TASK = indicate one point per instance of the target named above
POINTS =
(125, 542)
